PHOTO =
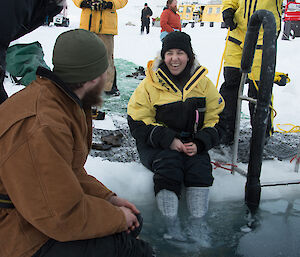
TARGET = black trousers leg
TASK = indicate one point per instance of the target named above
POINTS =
(148, 26)
(229, 90)
(143, 26)
(198, 171)
(118, 245)
(168, 170)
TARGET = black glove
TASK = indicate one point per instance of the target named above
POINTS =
(228, 16)
(96, 5)
(86, 4)
(281, 79)
(107, 5)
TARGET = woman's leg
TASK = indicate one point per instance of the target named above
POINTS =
(198, 179)
(168, 177)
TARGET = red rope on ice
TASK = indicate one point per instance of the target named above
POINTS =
(221, 165)
(295, 157)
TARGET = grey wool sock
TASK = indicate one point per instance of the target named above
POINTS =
(197, 201)
(167, 203)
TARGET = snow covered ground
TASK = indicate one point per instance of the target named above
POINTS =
(132, 180)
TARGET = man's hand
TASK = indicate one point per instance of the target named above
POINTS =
(177, 145)
(120, 202)
(131, 219)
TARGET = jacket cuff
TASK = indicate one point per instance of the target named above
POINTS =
(209, 137)
(161, 137)
(200, 145)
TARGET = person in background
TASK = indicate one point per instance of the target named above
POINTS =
(49, 205)
(236, 15)
(100, 16)
(169, 19)
(145, 18)
(17, 18)
(173, 116)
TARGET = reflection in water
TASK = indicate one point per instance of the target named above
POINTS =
(277, 231)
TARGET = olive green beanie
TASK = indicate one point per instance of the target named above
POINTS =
(79, 56)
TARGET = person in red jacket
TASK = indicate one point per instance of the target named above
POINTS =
(169, 19)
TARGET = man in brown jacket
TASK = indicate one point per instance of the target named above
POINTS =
(49, 205)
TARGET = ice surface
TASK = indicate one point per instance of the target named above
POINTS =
(278, 231)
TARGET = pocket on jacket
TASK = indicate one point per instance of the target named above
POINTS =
(109, 23)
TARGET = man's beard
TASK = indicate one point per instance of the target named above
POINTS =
(93, 97)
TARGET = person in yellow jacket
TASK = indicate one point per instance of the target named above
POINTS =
(100, 16)
(173, 116)
(236, 15)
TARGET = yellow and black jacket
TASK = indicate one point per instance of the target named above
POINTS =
(103, 21)
(159, 111)
(243, 10)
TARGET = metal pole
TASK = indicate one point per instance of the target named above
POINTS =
(238, 122)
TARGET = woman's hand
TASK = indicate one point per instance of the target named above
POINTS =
(177, 145)
(190, 148)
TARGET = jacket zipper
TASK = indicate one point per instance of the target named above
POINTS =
(100, 22)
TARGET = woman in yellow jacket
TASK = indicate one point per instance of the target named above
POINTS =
(172, 115)
(236, 15)
(100, 16)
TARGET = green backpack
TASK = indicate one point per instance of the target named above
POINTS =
(22, 61)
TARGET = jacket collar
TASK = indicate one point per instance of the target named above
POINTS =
(43, 72)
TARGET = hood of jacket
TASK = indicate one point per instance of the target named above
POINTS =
(161, 80)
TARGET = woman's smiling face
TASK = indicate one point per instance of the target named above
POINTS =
(176, 60)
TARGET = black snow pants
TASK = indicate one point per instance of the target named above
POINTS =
(172, 169)
(229, 90)
(118, 245)
(145, 24)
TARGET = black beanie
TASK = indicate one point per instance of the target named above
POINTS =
(177, 40)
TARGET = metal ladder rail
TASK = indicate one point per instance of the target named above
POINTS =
(241, 97)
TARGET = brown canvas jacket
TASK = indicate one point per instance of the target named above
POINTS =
(45, 137)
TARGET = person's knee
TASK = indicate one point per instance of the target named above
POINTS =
(199, 172)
